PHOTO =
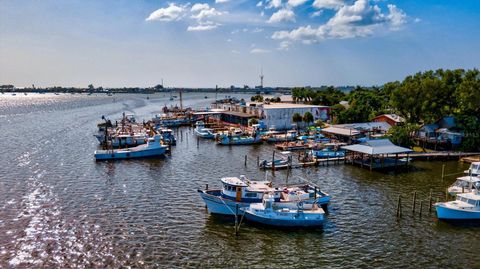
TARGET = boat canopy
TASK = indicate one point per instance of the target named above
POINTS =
(234, 181)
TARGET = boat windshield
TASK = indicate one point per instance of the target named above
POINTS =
(461, 183)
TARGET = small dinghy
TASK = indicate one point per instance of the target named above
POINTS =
(153, 148)
(269, 213)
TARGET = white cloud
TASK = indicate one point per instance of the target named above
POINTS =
(316, 13)
(282, 15)
(295, 3)
(259, 4)
(284, 45)
(257, 30)
(417, 20)
(199, 6)
(203, 27)
(207, 13)
(221, 1)
(357, 20)
(274, 3)
(396, 17)
(328, 4)
(262, 13)
(170, 13)
(259, 51)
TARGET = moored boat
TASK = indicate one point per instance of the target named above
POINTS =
(153, 148)
(238, 140)
(274, 214)
(465, 207)
(203, 132)
(474, 169)
(463, 184)
(241, 191)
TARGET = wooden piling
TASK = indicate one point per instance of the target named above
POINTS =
(443, 171)
(430, 202)
(273, 161)
(198, 142)
(399, 206)
(245, 160)
(206, 187)
(446, 194)
(236, 219)
(414, 201)
(421, 207)
(258, 160)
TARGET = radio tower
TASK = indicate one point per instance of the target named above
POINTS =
(261, 78)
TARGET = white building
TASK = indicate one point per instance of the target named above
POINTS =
(277, 115)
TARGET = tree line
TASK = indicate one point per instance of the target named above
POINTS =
(421, 98)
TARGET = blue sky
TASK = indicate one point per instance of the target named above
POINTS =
(116, 43)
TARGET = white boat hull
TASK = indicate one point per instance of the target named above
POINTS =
(129, 153)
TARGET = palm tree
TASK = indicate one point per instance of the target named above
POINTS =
(307, 118)
(297, 118)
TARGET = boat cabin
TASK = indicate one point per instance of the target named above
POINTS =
(463, 184)
(474, 169)
(243, 190)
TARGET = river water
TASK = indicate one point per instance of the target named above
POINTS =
(60, 209)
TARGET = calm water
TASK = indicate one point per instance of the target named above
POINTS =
(58, 208)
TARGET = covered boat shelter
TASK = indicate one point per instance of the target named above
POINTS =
(376, 154)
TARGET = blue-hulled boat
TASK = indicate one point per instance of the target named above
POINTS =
(242, 192)
(465, 207)
(331, 150)
(167, 136)
(203, 132)
(153, 148)
(272, 213)
(238, 140)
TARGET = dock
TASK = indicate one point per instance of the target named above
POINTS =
(443, 155)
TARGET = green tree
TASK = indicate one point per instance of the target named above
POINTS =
(402, 135)
(307, 118)
(297, 118)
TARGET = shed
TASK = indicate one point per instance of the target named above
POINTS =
(376, 154)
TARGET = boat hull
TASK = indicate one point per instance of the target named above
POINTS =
(447, 213)
(101, 155)
(287, 220)
(216, 204)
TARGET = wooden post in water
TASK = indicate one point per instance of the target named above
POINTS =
(206, 187)
(443, 171)
(399, 206)
(414, 201)
(258, 160)
(198, 142)
(273, 161)
(430, 202)
(446, 194)
(236, 219)
(181, 135)
(245, 160)
(421, 207)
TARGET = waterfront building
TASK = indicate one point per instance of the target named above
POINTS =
(273, 115)
(392, 119)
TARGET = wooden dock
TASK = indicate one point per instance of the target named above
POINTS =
(471, 159)
(439, 155)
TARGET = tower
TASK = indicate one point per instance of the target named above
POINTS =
(261, 78)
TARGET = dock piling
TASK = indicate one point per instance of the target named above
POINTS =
(258, 160)
(245, 160)
(198, 142)
(399, 206)
(236, 219)
(443, 171)
(430, 202)
(414, 201)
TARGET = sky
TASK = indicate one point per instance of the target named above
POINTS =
(126, 43)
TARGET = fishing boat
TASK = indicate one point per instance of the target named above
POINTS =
(330, 150)
(238, 140)
(203, 132)
(290, 135)
(292, 146)
(284, 162)
(463, 184)
(167, 136)
(242, 192)
(153, 148)
(474, 169)
(274, 214)
(128, 140)
(465, 207)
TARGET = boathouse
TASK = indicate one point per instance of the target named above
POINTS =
(376, 154)
(353, 131)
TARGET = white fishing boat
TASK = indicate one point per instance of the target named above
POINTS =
(290, 135)
(203, 132)
(272, 213)
(238, 140)
(465, 207)
(153, 148)
(463, 184)
(242, 192)
(474, 169)
(284, 162)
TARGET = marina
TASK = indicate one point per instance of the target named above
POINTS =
(151, 208)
